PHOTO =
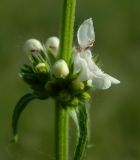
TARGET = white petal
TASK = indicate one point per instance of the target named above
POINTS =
(86, 34)
(113, 80)
(82, 62)
(80, 65)
(90, 71)
(91, 64)
(86, 54)
(77, 62)
(100, 81)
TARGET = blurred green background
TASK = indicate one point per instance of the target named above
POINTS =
(115, 113)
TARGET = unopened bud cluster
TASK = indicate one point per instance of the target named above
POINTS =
(39, 56)
(50, 76)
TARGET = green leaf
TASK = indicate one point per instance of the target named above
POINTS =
(22, 103)
(82, 116)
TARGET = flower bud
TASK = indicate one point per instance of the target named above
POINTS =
(60, 69)
(85, 96)
(52, 45)
(77, 85)
(42, 68)
(33, 46)
(74, 102)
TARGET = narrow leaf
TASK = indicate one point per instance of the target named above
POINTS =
(82, 116)
(18, 110)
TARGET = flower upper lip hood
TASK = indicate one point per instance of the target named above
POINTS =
(33, 45)
(86, 34)
(83, 60)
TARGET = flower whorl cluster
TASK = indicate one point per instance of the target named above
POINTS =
(50, 76)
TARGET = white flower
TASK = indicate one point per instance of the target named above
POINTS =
(33, 46)
(83, 61)
(60, 69)
(52, 45)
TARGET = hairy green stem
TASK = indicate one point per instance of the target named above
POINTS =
(61, 113)
(67, 25)
(61, 132)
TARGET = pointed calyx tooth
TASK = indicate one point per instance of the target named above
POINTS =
(52, 45)
(60, 69)
(33, 46)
